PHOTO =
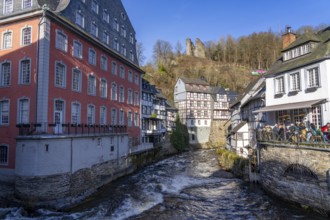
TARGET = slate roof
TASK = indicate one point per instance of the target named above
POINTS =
(194, 81)
(319, 53)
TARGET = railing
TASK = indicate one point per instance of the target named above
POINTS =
(289, 137)
(70, 129)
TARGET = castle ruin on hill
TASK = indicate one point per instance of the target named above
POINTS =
(195, 51)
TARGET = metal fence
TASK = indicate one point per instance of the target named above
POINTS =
(69, 129)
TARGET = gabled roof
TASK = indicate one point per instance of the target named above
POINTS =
(307, 37)
(194, 81)
(319, 53)
(239, 126)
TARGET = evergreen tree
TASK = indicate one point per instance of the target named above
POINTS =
(180, 136)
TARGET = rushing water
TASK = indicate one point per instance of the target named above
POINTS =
(187, 186)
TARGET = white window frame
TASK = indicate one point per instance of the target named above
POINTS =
(7, 39)
(113, 116)
(129, 96)
(103, 88)
(136, 119)
(104, 63)
(23, 114)
(106, 16)
(8, 6)
(95, 6)
(60, 77)
(4, 156)
(4, 111)
(76, 79)
(26, 4)
(136, 98)
(90, 114)
(61, 41)
(114, 91)
(136, 79)
(130, 76)
(80, 19)
(5, 77)
(121, 117)
(94, 29)
(295, 84)
(122, 72)
(75, 113)
(121, 94)
(92, 56)
(77, 49)
(26, 37)
(91, 85)
(279, 85)
(103, 115)
(106, 38)
(129, 118)
(24, 73)
(114, 68)
(313, 77)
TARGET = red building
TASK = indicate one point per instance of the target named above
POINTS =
(57, 79)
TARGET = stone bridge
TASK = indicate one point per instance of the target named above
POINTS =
(299, 174)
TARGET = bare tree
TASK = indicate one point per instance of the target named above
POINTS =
(163, 54)
(139, 53)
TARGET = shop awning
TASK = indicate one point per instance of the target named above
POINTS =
(295, 105)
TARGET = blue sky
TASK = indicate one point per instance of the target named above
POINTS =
(208, 20)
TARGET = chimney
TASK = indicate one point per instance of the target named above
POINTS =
(288, 38)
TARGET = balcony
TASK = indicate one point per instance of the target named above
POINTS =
(69, 129)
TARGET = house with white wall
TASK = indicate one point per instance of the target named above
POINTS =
(297, 84)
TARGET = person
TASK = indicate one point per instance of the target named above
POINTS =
(302, 131)
(325, 131)
(275, 132)
(281, 132)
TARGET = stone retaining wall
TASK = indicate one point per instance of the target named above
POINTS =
(297, 174)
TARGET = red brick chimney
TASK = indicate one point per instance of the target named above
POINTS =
(288, 38)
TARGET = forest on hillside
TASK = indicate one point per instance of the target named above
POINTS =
(228, 63)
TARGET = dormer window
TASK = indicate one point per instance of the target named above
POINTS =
(298, 51)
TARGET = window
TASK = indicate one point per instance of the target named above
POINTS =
(61, 41)
(26, 36)
(136, 98)
(95, 6)
(121, 94)
(80, 20)
(60, 75)
(104, 63)
(77, 49)
(123, 50)
(103, 88)
(115, 44)
(3, 154)
(94, 29)
(76, 80)
(121, 117)
(4, 112)
(114, 91)
(8, 6)
(131, 55)
(114, 68)
(5, 74)
(131, 38)
(106, 17)
(123, 31)
(313, 78)
(75, 113)
(129, 119)
(113, 116)
(136, 119)
(103, 115)
(136, 79)
(105, 38)
(91, 87)
(92, 56)
(294, 82)
(7, 40)
(115, 25)
(130, 97)
(130, 76)
(23, 111)
(90, 114)
(279, 85)
(25, 72)
(26, 4)
(122, 72)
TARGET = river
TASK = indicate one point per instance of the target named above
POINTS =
(183, 187)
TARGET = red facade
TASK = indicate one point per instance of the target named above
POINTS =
(64, 62)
